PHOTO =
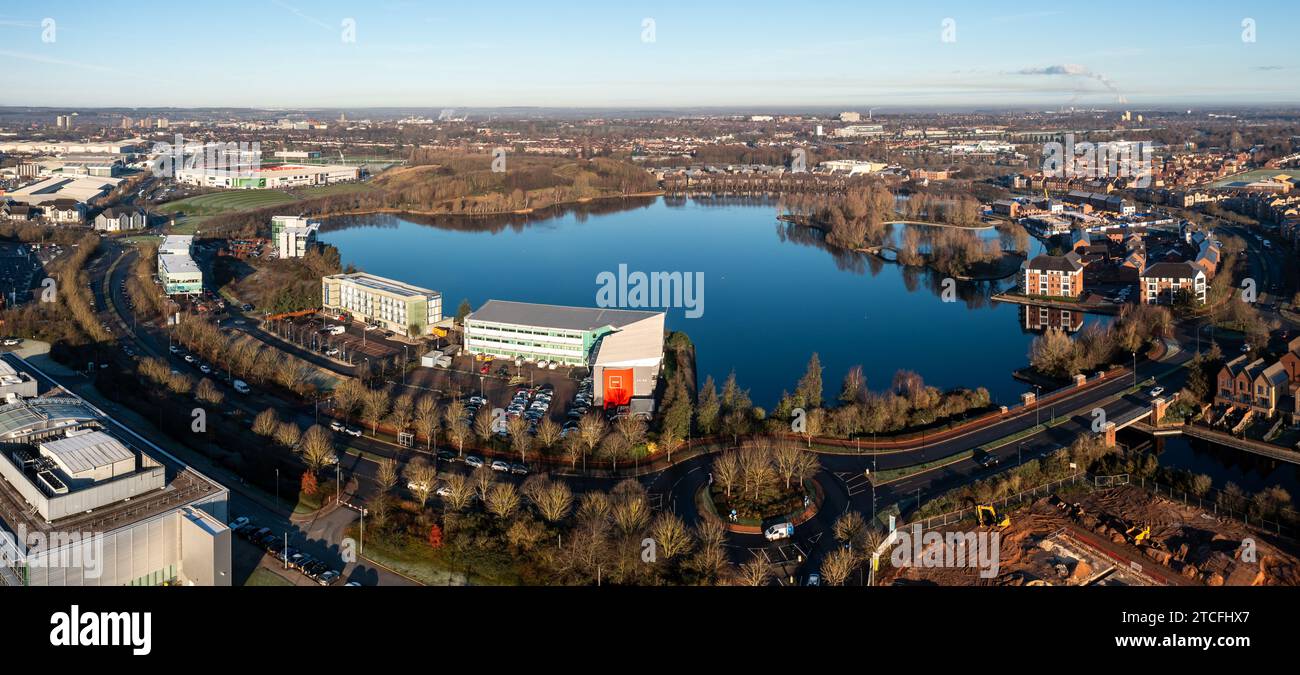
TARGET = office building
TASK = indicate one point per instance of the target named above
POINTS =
(396, 306)
(292, 235)
(84, 502)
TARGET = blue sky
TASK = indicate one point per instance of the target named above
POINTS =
(722, 53)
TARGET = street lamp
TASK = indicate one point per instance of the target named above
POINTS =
(1038, 392)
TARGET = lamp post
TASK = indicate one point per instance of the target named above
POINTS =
(1038, 391)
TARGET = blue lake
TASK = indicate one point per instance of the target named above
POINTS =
(773, 293)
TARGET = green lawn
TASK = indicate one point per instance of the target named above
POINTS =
(263, 577)
(225, 202)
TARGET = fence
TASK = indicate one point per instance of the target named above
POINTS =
(1208, 503)
(1211, 504)
(1002, 503)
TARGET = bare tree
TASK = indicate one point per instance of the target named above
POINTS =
(520, 440)
(288, 434)
(208, 392)
(850, 529)
(483, 423)
(591, 428)
(502, 500)
(318, 448)
(785, 455)
(757, 572)
(422, 478)
(426, 419)
(403, 410)
(726, 470)
(838, 566)
(375, 408)
(386, 475)
(482, 480)
(630, 506)
(266, 423)
(669, 441)
(553, 500)
(671, 535)
(348, 396)
(460, 492)
(548, 433)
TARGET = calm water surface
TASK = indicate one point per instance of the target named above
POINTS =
(773, 293)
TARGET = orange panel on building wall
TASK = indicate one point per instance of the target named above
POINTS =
(618, 386)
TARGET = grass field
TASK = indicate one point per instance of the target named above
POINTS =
(225, 202)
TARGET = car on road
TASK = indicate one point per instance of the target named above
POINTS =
(337, 426)
(189, 358)
(333, 351)
(1157, 391)
(10, 342)
(518, 469)
(240, 386)
(1245, 348)
(246, 307)
(987, 460)
(173, 349)
(814, 579)
(499, 465)
(446, 455)
(473, 461)
(238, 523)
(443, 491)
(258, 534)
(352, 431)
(779, 531)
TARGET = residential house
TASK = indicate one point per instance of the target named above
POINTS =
(1251, 385)
(121, 220)
(1162, 282)
(66, 212)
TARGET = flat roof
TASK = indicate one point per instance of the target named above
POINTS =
(557, 316)
(174, 241)
(177, 264)
(30, 414)
(87, 452)
(385, 285)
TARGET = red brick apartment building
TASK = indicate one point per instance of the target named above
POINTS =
(1161, 282)
(1052, 276)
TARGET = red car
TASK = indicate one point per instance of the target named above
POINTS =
(483, 370)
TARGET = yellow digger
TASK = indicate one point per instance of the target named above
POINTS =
(1138, 534)
(988, 516)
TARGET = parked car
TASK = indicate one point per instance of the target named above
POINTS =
(446, 455)
(519, 469)
(499, 465)
(241, 386)
(337, 425)
(327, 578)
(238, 523)
(473, 461)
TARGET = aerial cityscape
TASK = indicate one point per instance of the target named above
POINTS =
(874, 297)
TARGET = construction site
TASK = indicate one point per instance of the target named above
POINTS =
(1115, 536)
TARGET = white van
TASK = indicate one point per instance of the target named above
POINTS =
(240, 386)
(779, 531)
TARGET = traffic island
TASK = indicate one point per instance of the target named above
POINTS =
(796, 506)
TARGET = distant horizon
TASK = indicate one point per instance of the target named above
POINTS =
(757, 55)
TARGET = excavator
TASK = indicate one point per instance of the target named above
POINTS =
(1138, 534)
(988, 516)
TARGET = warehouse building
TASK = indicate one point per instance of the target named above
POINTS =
(396, 306)
(272, 177)
(85, 503)
(624, 348)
